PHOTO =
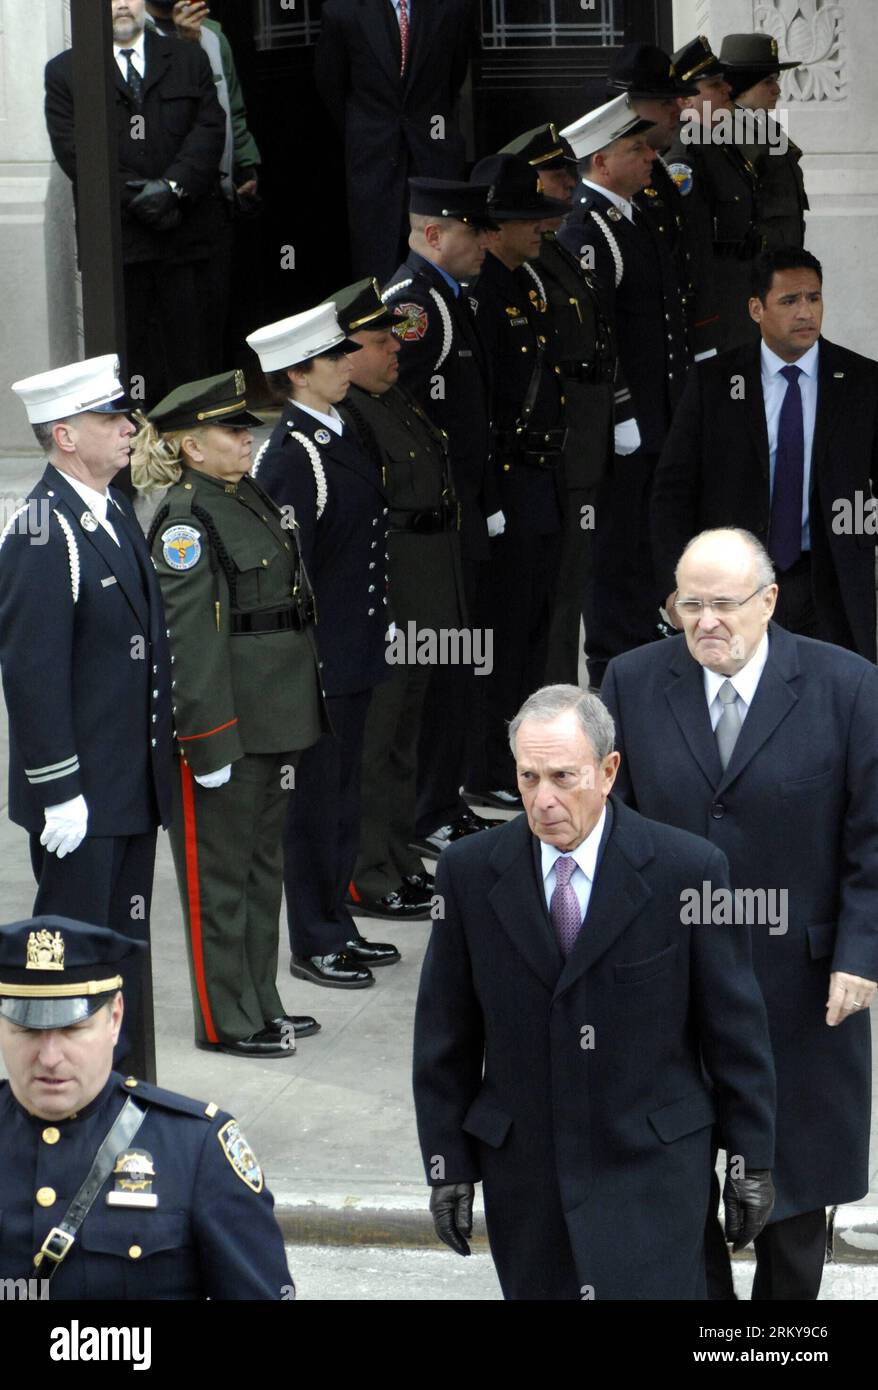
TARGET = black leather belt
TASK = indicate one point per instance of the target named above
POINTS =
(424, 523)
(281, 620)
(592, 373)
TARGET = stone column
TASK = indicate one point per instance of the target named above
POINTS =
(37, 256)
(832, 104)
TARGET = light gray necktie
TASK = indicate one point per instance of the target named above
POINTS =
(729, 725)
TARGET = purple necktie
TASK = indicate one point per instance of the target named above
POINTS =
(785, 528)
(564, 907)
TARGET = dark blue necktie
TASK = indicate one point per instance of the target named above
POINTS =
(132, 77)
(785, 530)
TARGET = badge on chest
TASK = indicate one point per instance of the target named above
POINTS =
(133, 1175)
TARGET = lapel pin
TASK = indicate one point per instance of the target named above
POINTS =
(322, 436)
(88, 522)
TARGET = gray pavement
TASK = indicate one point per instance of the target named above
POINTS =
(333, 1124)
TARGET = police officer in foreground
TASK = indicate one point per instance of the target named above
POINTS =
(111, 1188)
(426, 587)
(247, 701)
(581, 345)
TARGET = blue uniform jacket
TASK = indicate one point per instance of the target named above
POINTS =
(212, 1234)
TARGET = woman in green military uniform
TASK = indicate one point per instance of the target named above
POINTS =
(247, 700)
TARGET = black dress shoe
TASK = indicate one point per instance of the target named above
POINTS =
(268, 1042)
(303, 1025)
(464, 824)
(392, 907)
(338, 970)
(507, 798)
(372, 952)
(417, 887)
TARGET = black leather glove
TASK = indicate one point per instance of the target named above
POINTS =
(748, 1202)
(156, 205)
(452, 1209)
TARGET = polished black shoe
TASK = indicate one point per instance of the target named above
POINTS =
(506, 798)
(392, 907)
(372, 952)
(303, 1025)
(268, 1042)
(464, 824)
(417, 887)
(338, 970)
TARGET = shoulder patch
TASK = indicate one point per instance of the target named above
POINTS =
(682, 176)
(413, 322)
(181, 547)
(240, 1155)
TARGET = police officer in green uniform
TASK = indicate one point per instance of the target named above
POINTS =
(752, 68)
(111, 1188)
(426, 585)
(581, 345)
(720, 180)
(247, 700)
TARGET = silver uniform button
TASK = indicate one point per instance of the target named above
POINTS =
(371, 612)
(152, 741)
(371, 588)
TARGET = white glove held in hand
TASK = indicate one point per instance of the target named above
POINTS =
(626, 437)
(496, 524)
(65, 826)
(211, 780)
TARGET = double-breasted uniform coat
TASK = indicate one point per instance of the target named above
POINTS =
(575, 1089)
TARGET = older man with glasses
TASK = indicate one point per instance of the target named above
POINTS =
(765, 743)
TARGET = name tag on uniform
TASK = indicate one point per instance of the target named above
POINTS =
(111, 579)
(464, 352)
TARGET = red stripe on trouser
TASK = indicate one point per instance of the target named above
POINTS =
(193, 894)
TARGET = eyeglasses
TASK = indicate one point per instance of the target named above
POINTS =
(717, 605)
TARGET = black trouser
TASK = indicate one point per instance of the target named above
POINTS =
(795, 600)
(164, 338)
(322, 830)
(389, 785)
(620, 607)
(447, 723)
(107, 882)
(789, 1256)
(575, 570)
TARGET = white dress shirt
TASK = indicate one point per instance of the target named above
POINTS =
(138, 57)
(96, 502)
(408, 8)
(626, 208)
(774, 389)
(332, 421)
(586, 856)
(744, 681)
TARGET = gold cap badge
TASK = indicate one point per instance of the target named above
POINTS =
(45, 951)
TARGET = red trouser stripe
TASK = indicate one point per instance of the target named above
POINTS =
(193, 894)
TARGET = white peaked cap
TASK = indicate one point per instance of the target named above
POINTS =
(602, 126)
(90, 385)
(293, 340)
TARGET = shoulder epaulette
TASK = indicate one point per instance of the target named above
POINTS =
(169, 1100)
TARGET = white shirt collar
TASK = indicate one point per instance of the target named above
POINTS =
(808, 363)
(139, 56)
(97, 502)
(621, 203)
(586, 854)
(333, 419)
(744, 681)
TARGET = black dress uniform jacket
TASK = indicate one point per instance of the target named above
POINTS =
(715, 472)
(644, 305)
(595, 1160)
(783, 201)
(344, 548)
(674, 218)
(444, 365)
(86, 672)
(212, 1233)
(794, 810)
(181, 138)
(391, 124)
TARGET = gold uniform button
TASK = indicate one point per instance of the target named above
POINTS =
(51, 1135)
(131, 1081)
(507, 467)
(46, 1197)
(524, 349)
(412, 454)
(187, 487)
(265, 562)
(134, 1252)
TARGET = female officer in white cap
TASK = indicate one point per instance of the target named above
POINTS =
(246, 697)
(316, 466)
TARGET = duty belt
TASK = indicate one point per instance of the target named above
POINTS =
(294, 619)
(426, 522)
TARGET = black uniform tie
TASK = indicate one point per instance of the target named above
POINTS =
(132, 77)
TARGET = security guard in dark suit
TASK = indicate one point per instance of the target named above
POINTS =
(85, 666)
(512, 315)
(315, 468)
(752, 68)
(444, 366)
(111, 1188)
(647, 74)
(635, 270)
(247, 701)
(426, 587)
(581, 345)
(720, 180)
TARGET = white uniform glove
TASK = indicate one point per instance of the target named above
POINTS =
(626, 437)
(65, 826)
(211, 780)
(390, 634)
(496, 524)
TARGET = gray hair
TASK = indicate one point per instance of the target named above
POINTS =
(761, 558)
(44, 435)
(547, 703)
